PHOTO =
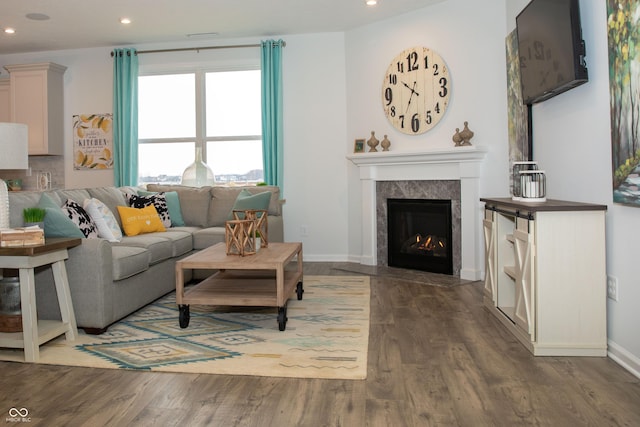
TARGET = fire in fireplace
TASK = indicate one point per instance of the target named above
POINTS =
(419, 235)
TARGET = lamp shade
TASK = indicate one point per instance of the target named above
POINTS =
(14, 146)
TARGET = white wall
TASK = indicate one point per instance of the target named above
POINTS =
(473, 46)
(572, 143)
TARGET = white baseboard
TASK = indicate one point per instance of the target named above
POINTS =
(623, 358)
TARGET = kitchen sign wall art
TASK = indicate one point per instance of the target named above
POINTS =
(92, 141)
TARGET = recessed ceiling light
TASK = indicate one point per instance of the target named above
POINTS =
(10, 30)
(37, 16)
(371, 2)
(125, 21)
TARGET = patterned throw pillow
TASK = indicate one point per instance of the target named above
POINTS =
(81, 218)
(104, 219)
(159, 201)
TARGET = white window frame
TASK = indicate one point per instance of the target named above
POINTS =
(200, 138)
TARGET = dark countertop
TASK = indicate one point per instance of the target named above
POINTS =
(548, 206)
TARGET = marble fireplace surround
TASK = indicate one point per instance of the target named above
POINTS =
(461, 164)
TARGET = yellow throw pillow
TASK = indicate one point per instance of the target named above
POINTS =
(140, 221)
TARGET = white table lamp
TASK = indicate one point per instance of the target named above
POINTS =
(14, 154)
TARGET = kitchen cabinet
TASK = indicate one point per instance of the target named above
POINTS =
(36, 99)
(5, 114)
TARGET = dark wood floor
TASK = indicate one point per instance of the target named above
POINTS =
(436, 357)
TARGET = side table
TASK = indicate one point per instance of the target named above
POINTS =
(34, 332)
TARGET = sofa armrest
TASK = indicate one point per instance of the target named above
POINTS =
(90, 273)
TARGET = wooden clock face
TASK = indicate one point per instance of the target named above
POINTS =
(415, 90)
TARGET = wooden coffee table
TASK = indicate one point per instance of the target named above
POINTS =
(252, 280)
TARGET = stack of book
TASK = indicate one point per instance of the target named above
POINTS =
(21, 236)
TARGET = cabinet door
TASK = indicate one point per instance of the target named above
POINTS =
(490, 256)
(524, 312)
(5, 112)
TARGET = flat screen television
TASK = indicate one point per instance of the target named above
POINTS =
(551, 49)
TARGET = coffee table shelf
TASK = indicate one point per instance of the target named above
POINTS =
(254, 280)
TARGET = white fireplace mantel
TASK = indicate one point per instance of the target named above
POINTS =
(458, 163)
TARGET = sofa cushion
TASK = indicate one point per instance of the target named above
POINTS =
(208, 237)
(79, 195)
(181, 241)
(197, 200)
(56, 221)
(81, 218)
(104, 219)
(159, 248)
(159, 201)
(223, 199)
(247, 201)
(140, 221)
(128, 261)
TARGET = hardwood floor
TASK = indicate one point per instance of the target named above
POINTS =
(436, 357)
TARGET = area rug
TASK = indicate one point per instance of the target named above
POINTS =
(326, 336)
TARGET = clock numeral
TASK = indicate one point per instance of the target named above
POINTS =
(393, 79)
(388, 95)
(415, 123)
(401, 117)
(437, 108)
(443, 87)
(412, 61)
(428, 119)
(436, 70)
(400, 67)
(426, 62)
(392, 111)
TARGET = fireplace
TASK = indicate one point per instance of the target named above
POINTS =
(419, 233)
(460, 164)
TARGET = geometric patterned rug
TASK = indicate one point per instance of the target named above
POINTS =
(326, 336)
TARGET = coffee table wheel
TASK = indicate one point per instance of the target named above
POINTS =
(282, 318)
(184, 315)
(299, 290)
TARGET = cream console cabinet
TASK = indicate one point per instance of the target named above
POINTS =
(545, 274)
(36, 99)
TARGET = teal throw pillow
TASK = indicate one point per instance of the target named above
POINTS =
(247, 201)
(173, 205)
(56, 222)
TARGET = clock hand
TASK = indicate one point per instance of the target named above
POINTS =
(413, 91)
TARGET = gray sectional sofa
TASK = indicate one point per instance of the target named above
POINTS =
(110, 280)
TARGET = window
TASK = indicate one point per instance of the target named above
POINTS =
(219, 112)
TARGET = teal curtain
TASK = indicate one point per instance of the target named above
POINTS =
(125, 116)
(272, 146)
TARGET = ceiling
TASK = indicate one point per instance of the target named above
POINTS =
(75, 24)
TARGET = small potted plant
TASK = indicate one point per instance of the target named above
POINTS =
(34, 216)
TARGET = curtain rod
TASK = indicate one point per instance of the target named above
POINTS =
(197, 48)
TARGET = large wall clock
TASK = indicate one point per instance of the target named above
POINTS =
(416, 90)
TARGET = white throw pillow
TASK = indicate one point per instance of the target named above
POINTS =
(108, 227)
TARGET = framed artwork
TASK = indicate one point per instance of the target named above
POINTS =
(624, 99)
(92, 141)
(358, 146)
(516, 111)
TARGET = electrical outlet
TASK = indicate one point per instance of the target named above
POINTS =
(612, 288)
